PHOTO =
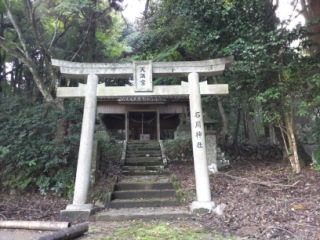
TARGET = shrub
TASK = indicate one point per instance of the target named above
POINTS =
(316, 159)
(178, 150)
(110, 151)
(29, 154)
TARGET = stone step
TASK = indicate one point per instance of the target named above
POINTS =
(143, 153)
(143, 168)
(142, 203)
(135, 163)
(124, 186)
(143, 163)
(165, 213)
(143, 149)
(145, 194)
(129, 144)
(145, 172)
(143, 141)
(144, 156)
(143, 159)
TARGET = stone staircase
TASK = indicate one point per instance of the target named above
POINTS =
(144, 190)
(145, 182)
(143, 158)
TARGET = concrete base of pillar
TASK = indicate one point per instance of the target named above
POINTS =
(78, 213)
(80, 207)
(202, 207)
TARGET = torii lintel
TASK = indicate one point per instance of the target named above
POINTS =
(118, 91)
(211, 67)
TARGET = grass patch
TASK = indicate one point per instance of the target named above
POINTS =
(139, 230)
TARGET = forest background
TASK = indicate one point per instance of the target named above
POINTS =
(274, 84)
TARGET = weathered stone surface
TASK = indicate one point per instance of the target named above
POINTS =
(103, 91)
(202, 206)
(198, 144)
(94, 163)
(211, 147)
(183, 130)
(75, 216)
(86, 143)
(125, 214)
(142, 76)
(206, 67)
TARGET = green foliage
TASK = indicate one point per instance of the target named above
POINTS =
(89, 30)
(178, 150)
(31, 157)
(71, 6)
(316, 156)
(3, 151)
(109, 38)
(194, 30)
(110, 149)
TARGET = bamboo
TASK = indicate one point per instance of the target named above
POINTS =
(34, 225)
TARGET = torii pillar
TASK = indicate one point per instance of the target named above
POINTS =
(142, 72)
(199, 146)
(85, 149)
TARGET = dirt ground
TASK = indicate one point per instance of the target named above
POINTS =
(265, 200)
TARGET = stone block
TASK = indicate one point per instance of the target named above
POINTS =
(211, 151)
(202, 207)
(78, 213)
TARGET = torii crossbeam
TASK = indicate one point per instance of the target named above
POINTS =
(142, 73)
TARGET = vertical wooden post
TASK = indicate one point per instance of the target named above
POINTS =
(126, 127)
(158, 125)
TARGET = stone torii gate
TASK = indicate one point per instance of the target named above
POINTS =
(142, 73)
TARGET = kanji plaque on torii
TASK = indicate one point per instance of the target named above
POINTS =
(142, 76)
(142, 73)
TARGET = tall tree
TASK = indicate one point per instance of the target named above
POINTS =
(311, 12)
(88, 30)
(268, 73)
(28, 49)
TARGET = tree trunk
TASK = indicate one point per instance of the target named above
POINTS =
(311, 11)
(282, 142)
(292, 145)
(24, 56)
(250, 130)
(67, 233)
(91, 42)
(224, 128)
(237, 127)
(61, 132)
(2, 54)
(146, 8)
(272, 134)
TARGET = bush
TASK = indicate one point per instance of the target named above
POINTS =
(110, 151)
(29, 154)
(316, 159)
(178, 150)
